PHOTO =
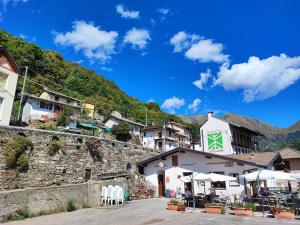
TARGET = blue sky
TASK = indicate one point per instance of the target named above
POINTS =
(189, 56)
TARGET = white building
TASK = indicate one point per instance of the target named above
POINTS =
(115, 118)
(159, 137)
(163, 172)
(166, 137)
(47, 106)
(223, 137)
(8, 82)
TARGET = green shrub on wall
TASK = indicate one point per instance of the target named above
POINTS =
(71, 205)
(22, 163)
(13, 151)
(54, 147)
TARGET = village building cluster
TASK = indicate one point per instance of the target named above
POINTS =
(222, 147)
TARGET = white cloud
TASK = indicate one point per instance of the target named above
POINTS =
(194, 106)
(5, 3)
(138, 38)
(171, 104)
(127, 14)
(27, 37)
(206, 51)
(260, 78)
(106, 69)
(163, 11)
(198, 48)
(95, 43)
(203, 79)
(182, 41)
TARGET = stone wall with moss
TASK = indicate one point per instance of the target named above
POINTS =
(57, 158)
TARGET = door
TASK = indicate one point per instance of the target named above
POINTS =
(161, 185)
(87, 175)
(56, 110)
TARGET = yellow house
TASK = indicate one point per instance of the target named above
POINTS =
(90, 108)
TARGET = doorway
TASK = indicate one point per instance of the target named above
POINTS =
(161, 184)
(87, 175)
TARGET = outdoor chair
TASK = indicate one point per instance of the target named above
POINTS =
(120, 195)
(104, 195)
(109, 193)
(297, 205)
(113, 196)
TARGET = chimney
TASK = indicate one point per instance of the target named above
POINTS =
(209, 114)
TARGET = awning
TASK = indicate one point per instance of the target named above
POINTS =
(87, 125)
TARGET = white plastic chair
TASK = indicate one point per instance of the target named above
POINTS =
(104, 195)
(109, 193)
(120, 196)
(113, 197)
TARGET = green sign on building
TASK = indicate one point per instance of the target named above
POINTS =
(215, 141)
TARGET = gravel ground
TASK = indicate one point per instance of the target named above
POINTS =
(144, 212)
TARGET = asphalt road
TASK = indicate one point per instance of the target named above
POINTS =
(147, 212)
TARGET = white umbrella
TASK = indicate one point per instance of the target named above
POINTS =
(296, 176)
(267, 175)
(185, 179)
(213, 177)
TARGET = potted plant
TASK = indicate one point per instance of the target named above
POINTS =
(284, 213)
(176, 205)
(214, 208)
(244, 209)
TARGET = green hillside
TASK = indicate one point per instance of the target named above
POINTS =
(48, 68)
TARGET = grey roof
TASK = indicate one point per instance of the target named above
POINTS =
(59, 94)
(123, 119)
(242, 160)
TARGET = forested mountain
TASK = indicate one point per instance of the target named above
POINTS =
(48, 68)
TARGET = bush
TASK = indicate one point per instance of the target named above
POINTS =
(22, 163)
(54, 147)
(71, 205)
(121, 131)
(14, 149)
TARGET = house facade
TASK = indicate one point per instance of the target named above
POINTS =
(47, 106)
(115, 118)
(166, 137)
(159, 137)
(164, 172)
(291, 159)
(8, 82)
(222, 137)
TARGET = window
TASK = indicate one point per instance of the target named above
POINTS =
(234, 183)
(174, 160)
(170, 133)
(145, 134)
(160, 134)
(57, 98)
(68, 101)
(44, 105)
(219, 184)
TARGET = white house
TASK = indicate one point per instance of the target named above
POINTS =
(159, 137)
(115, 118)
(163, 172)
(223, 137)
(166, 137)
(47, 106)
(8, 82)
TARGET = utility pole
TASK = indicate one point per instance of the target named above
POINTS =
(146, 116)
(23, 92)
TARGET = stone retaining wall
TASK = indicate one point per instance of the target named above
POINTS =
(70, 165)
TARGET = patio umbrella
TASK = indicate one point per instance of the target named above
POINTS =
(296, 176)
(213, 177)
(186, 179)
(267, 175)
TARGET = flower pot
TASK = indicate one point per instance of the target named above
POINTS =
(214, 209)
(243, 212)
(176, 207)
(283, 214)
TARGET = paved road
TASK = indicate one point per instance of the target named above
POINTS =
(146, 212)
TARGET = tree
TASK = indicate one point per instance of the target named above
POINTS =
(121, 131)
(64, 117)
